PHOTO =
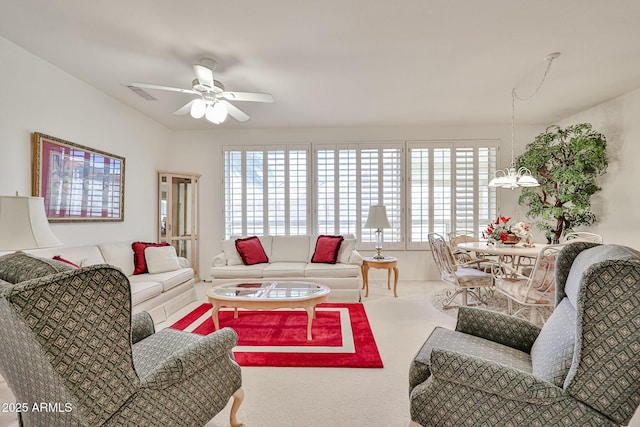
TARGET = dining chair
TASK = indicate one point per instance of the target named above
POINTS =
(463, 236)
(534, 291)
(582, 236)
(467, 279)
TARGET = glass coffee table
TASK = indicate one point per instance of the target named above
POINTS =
(268, 295)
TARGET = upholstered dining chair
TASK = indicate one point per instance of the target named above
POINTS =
(580, 369)
(582, 236)
(466, 279)
(534, 291)
(68, 339)
(463, 256)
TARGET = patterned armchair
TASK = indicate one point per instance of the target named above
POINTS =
(582, 368)
(69, 342)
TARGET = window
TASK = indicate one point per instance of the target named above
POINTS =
(448, 188)
(266, 190)
(349, 179)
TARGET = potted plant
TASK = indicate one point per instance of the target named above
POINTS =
(566, 163)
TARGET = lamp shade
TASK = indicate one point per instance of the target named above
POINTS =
(24, 225)
(377, 218)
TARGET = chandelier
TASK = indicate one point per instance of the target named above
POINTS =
(511, 177)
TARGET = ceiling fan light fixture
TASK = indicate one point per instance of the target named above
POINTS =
(217, 113)
(198, 108)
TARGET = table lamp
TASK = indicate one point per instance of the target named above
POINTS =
(24, 224)
(377, 219)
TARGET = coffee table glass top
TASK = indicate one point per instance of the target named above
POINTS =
(269, 290)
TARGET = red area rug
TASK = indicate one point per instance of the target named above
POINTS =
(341, 333)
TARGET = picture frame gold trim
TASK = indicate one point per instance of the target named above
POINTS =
(78, 183)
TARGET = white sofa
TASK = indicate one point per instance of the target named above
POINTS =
(290, 259)
(159, 294)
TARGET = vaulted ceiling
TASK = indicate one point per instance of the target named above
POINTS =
(340, 63)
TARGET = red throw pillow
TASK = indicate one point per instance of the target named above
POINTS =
(327, 248)
(251, 251)
(59, 258)
(139, 261)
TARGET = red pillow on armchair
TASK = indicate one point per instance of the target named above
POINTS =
(327, 248)
(251, 251)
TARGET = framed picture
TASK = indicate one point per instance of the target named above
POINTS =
(77, 183)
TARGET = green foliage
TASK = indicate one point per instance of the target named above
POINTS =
(566, 162)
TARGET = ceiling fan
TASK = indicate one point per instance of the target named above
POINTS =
(212, 102)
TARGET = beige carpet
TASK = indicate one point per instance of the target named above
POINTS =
(495, 301)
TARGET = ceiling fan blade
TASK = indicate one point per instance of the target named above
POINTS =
(235, 112)
(186, 108)
(204, 75)
(152, 86)
(247, 96)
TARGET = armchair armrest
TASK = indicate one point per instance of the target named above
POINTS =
(141, 326)
(492, 377)
(219, 260)
(184, 263)
(497, 327)
(190, 360)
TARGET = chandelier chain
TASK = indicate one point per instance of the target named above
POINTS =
(514, 96)
(510, 177)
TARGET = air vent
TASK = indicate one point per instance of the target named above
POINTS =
(142, 93)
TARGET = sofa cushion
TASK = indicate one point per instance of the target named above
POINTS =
(251, 251)
(142, 291)
(552, 351)
(238, 271)
(167, 280)
(284, 269)
(19, 266)
(327, 249)
(118, 254)
(161, 259)
(289, 249)
(139, 257)
(331, 270)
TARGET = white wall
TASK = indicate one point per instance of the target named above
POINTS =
(35, 96)
(617, 206)
(201, 152)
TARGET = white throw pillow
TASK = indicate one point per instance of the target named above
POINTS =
(161, 259)
(230, 252)
(346, 248)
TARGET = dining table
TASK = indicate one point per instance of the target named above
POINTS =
(517, 255)
(500, 249)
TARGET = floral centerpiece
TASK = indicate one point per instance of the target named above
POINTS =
(501, 231)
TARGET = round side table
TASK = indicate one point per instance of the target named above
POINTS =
(388, 263)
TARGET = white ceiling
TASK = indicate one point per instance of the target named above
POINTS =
(344, 62)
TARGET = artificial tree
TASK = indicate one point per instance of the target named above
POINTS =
(566, 163)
